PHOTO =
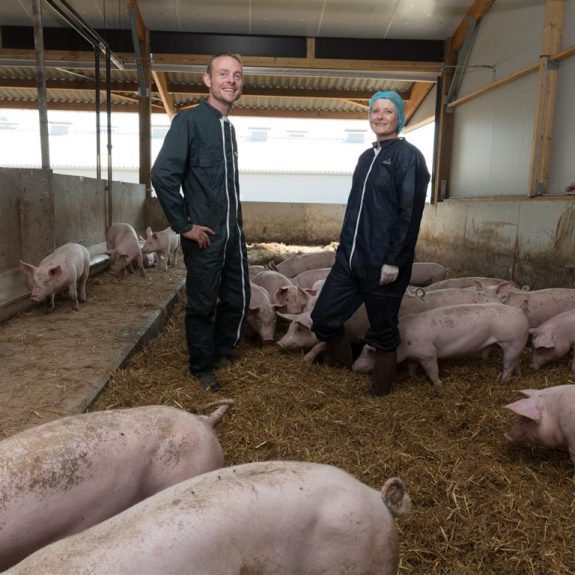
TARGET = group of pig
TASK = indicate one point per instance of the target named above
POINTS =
(449, 317)
(145, 490)
(68, 266)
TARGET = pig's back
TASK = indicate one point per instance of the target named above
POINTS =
(281, 517)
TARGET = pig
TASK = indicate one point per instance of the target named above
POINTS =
(67, 267)
(538, 305)
(69, 474)
(546, 418)
(420, 300)
(268, 517)
(309, 277)
(463, 329)
(553, 339)
(300, 336)
(463, 282)
(426, 273)
(149, 260)
(262, 314)
(295, 265)
(283, 292)
(254, 270)
(123, 248)
(165, 243)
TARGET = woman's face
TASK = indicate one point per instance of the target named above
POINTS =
(383, 119)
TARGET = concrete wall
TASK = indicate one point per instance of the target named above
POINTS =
(279, 222)
(530, 241)
(40, 210)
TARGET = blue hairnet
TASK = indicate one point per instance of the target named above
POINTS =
(394, 97)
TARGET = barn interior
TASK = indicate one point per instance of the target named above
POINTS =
(495, 76)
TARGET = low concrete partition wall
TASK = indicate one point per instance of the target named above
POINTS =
(531, 241)
(292, 223)
(279, 222)
(40, 210)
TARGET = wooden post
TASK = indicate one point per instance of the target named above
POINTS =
(546, 95)
(445, 128)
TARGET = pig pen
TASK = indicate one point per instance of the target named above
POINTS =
(479, 507)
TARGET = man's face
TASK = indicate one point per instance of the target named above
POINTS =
(383, 119)
(225, 82)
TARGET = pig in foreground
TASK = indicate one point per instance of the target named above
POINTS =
(67, 475)
(546, 418)
(426, 273)
(67, 267)
(123, 248)
(165, 243)
(269, 518)
(460, 330)
(553, 339)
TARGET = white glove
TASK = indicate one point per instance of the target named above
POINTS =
(388, 274)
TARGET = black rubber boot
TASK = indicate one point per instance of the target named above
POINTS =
(339, 352)
(208, 380)
(383, 372)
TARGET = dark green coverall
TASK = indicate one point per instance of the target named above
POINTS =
(199, 155)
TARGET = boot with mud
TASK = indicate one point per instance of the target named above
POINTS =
(383, 372)
(339, 352)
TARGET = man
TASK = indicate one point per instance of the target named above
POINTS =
(199, 155)
(377, 243)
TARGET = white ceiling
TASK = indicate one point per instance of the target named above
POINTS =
(383, 19)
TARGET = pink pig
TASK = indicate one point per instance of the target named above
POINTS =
(262, 314)
(69, 474)
(420, 300)
(269, 518)
(462, 329)
(538, 305)
(426, 273)
(165, 243)
(553, 339)
(295, 265)
(546, 417)
(123, 248)
(66, 267)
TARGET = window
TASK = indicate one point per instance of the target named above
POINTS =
(354, 136)
(258, 134)
(58, 129)
(159, 132)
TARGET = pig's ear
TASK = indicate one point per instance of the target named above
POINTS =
(148, 231)
(310, 291)
(529, 408)
(56, 270)
(546, 340)
(28, 269)
(304, 319)
(503, 289)
(302, 292)
(280, 293)
(478, 284)
(395, 497)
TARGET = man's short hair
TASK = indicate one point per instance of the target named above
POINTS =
(219, 55)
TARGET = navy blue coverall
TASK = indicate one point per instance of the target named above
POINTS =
(380, 226)
(199, 155)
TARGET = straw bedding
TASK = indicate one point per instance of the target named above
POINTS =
(479, 507)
